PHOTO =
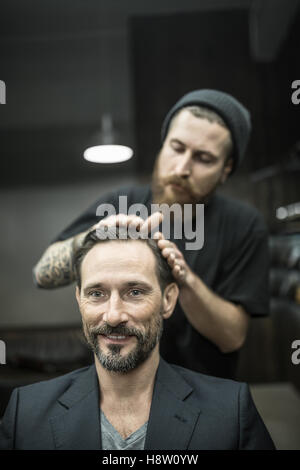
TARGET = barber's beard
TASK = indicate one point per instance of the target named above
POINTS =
(113, 360)
(159, 184)
(192, 196)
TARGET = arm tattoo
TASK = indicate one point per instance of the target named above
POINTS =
(55, 268)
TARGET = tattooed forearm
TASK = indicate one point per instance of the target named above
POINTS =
(55, 268)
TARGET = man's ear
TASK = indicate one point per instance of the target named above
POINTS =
(227, 170)
(77, 293)
(170, 297)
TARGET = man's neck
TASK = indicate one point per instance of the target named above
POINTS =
(128, 386)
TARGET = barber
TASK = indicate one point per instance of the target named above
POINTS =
(204, 139)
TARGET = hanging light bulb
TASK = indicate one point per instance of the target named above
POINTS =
(106, 151)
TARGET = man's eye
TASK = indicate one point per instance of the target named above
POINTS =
(96, 294)
(135, 292)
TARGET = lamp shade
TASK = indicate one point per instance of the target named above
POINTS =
(108, 153)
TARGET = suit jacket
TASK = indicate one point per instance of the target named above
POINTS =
(189, 410)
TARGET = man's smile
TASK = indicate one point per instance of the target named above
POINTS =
(117, 339)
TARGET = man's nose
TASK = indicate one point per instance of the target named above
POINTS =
(183, 166)
(115, 314)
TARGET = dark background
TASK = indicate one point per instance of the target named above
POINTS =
(66, 64)
(212, 50)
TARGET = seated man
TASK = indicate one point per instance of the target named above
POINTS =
(130, 398)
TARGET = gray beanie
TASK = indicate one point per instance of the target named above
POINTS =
(235, 115)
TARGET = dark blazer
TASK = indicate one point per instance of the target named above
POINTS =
(189, 410)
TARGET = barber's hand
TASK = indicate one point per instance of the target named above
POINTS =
(180, 269)
(131, 221)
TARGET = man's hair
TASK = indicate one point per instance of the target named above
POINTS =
(211, 116)
(104, 235)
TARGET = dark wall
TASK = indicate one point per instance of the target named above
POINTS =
(52, 155)
(172, 55)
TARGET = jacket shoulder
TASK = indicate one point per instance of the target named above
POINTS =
(212, 389)
(47, 391)
(229, 418)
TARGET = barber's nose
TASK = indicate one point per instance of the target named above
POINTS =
(183, 166)
(114, 314)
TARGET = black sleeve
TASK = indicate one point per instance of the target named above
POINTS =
(7, 424)
(244, 275)
(87, 219)
(253, 434)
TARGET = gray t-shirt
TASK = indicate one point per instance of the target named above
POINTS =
(112, 440)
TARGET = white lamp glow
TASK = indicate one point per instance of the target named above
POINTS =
(108, 153)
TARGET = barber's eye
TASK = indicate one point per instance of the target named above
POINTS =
(177, 147)
(203, 158)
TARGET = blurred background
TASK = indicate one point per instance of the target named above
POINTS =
(74, 69)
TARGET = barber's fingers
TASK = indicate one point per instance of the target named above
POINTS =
(171, 252)
(158, 236)
(151, 222)
(163, 243)
(168, 247)
(144, 226)
(121, 220)
(174, 258)
(178, 266)
(180, 270)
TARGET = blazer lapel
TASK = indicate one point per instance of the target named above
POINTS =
(77, 427)
(174, 412)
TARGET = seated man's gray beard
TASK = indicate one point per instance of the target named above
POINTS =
(113, 361)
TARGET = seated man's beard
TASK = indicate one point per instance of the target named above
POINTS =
(114, 361)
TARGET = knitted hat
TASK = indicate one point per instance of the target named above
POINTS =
(235, 115)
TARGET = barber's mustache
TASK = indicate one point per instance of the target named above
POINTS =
(184, 184)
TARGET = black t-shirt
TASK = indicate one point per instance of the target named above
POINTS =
(233, 262)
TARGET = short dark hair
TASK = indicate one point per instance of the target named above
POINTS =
(119, 234)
